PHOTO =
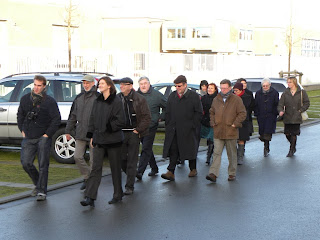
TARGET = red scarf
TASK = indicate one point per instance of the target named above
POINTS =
(240, 94)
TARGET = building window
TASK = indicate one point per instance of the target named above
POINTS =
(176, 33)
(246, 35)
(188, 62)
(139, 61)
(205, 63)
(201, 33)
(310, 48)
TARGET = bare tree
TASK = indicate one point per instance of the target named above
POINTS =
(70, 20)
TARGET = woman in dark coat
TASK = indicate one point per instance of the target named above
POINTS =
(293, 102)
(267, 99)
(206, 129)
(245, 130)
(105, 131)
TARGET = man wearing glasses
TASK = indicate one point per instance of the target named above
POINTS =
(226, 115)
(183, 116)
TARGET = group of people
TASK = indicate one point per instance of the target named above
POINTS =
(115, 124)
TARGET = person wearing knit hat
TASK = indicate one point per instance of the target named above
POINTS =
(183, 116)
(244, 131)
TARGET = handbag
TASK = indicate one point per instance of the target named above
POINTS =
(304, 115)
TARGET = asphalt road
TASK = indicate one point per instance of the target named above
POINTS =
(273, 198)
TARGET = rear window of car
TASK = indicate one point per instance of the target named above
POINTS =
(255, 86)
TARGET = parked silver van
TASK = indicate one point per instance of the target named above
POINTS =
(62, 86)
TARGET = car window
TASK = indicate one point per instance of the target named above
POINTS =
(69, 90)
(253, 86)
(278, 86)
(6, 90)
(27, 87)
(161, 89)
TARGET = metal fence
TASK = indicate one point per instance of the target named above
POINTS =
(164, 67)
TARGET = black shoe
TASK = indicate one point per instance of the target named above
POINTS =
(153, 172)
(87, 201)
(84, 185)
(113, 200)
(290, 153)
(139, 176)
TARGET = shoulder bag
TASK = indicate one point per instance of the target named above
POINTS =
(304, 115)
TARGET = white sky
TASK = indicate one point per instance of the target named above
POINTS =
(256, 12)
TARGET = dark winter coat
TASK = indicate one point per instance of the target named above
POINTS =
(142, 112)
(206, 101)
(106, 120)
(80, 113)
(183, 116)
(250, 110)
(48, 117)
(291, 105)
(224, 114)
(156, 101)
(266, 110)
(245, 130)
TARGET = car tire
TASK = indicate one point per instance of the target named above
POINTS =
(63, 150)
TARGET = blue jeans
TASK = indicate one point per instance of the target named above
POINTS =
(29, 149)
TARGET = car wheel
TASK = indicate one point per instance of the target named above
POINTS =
(62, 149)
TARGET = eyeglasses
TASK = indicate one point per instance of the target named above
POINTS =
(265, 85)
(178, 86)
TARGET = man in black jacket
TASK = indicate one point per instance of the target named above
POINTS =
(38, 119)
(137, 121)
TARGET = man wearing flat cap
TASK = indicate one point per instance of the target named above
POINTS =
(183, 119)
(79, 120)
(137, 121)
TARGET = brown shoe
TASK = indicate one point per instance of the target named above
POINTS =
(231, 178)
(211, 177)
(168, 176)
(193, 173)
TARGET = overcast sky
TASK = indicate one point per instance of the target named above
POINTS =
(256, 12)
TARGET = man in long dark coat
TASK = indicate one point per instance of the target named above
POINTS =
(183, 116)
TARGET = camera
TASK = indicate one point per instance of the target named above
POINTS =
(32, 115)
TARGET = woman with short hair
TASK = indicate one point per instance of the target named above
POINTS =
(267, 99)
(293, 102)
(206, 130)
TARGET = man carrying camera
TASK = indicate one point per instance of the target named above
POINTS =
(38, 119)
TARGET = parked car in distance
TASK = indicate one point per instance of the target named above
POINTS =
(62, 86)
(254, 84)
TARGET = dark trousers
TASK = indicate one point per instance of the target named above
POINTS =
(129, 157)
(94, 180)
(147, 155)
(174, 156)
(29, 149)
